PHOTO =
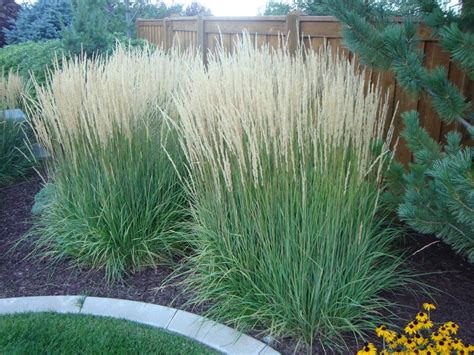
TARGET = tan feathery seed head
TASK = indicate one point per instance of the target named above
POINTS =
(11, 89)
(256, 104)
(91, 98)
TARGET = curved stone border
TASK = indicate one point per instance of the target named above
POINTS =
(210, 333)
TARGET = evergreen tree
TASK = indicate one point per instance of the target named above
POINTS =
(436, 194)
(43, 20)
(8, 13)
(195, 8)
(276, 8)
(89, 32)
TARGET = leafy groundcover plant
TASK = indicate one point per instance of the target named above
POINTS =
(116, 200)
(286, 155)
(15, 157)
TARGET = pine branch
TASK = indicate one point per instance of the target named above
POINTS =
(394, 47)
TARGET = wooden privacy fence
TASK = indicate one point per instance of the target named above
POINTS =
(204, 33)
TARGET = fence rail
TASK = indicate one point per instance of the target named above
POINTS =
(204, 33)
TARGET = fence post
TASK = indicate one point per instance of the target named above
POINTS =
(138, 28)
(166, 45)
(201, 39)
(293, 31)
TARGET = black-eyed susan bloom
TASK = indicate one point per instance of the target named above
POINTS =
(443, 347)
(421, 317)
(381, 331)
(410, 345)
(457, 344)
(427, 324)
(420, 340)
(368, 349)
(401, 339)
(429, 307)
(451, 327)
(437, 336)
(410, 329)
(393, 345)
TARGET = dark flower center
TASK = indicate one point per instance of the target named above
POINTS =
(367, 348)
(441, 343)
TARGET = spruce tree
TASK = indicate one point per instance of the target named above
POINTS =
(436, 194)
(40, 21)
(8, 12)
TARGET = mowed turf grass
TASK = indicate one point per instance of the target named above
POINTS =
(52, 333)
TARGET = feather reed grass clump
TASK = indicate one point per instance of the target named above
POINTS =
(116, 201)
(286, 155)
(11, 88)
(15, 156)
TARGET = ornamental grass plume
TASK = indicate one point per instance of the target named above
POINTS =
(286, 156)
(11, 88)
(116, 201)
(15, 155)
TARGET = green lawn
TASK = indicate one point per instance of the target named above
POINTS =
(52, 333)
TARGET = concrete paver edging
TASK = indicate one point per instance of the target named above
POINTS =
(200, 329)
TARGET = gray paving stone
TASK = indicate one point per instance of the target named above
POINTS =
(60, 304)
(146, 313)
(214, 334)
(16, 115)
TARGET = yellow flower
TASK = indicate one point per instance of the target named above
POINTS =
(384, 352)
(401, 339)
(443, 346)
(437, 336)
(451, 327)
(431, 347)
(443, 330)
(382, 331)
(368, 349)
(429, 306)
(390, 336)
(457, 344)
(410, 344)
(427, 324)
(410, 328)
(392, 345)
(419, 339)
(422, 316)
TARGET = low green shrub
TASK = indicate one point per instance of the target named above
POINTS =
(286, 172)
(31, 57)
(118, 202)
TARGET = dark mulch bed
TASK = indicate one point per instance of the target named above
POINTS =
(21, 276)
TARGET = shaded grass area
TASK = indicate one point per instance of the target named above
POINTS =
(52, 333)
